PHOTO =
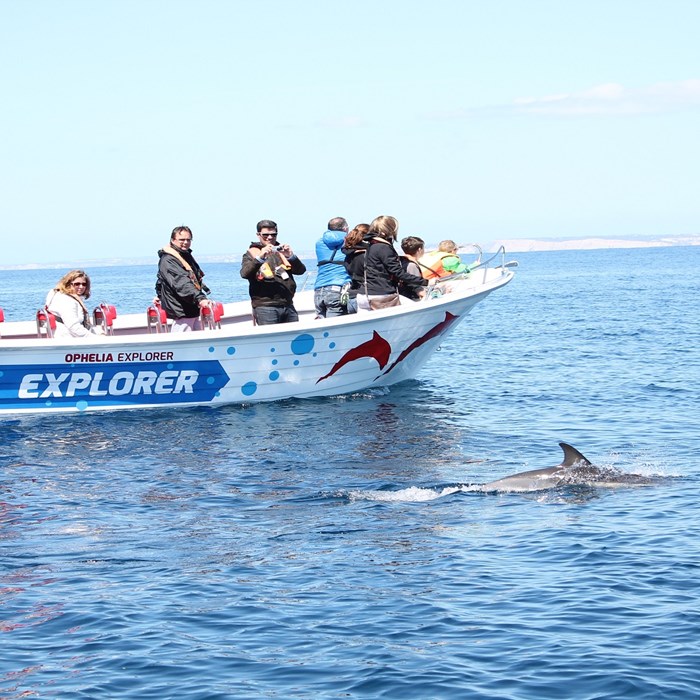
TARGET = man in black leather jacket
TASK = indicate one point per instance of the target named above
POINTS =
(179, 284)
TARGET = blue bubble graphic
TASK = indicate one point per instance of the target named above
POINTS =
(303, 344)
(274, 375)
(249, 389)
(211, 348)
(231, 350)
(81, 405)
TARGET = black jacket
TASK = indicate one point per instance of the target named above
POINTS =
(275, 291)
(175, 288)
(355, 265)
(383, 269)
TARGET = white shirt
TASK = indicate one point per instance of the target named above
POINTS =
(71, 312)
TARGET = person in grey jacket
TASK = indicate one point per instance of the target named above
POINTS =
(179, 286)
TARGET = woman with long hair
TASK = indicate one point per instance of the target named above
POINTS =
(354, 248)
(66, 302)
(383, 269)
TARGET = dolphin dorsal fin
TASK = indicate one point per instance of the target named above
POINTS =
(572, 456)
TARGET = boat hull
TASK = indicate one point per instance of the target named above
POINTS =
(237, 364)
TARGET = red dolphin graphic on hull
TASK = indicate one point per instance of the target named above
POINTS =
(432, 333)
(376, 347)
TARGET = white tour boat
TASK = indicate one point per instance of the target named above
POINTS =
(137, 363)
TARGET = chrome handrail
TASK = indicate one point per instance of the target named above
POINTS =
(485, 265)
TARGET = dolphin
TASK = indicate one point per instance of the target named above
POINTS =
(574, 470)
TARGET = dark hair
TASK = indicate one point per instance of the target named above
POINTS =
(411, 244)
(356, 236)
(338, 224)
(266, 223)
(180, 229)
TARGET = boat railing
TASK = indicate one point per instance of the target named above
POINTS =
(307, 278)
(478, 265)
(486, 264)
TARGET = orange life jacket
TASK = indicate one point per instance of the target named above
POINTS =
(431, 264)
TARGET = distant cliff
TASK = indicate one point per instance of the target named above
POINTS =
(521, 245)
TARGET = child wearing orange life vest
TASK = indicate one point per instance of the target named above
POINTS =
(443, 262)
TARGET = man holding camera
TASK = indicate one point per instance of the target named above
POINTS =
(270, 267)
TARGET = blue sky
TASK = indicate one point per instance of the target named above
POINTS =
(465, 119)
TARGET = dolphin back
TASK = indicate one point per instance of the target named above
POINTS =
(572, 456)
(573, 471)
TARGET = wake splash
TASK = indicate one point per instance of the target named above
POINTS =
(412, 494)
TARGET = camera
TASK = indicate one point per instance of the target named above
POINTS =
(278, 247)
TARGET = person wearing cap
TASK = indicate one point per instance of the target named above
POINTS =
(179, 286)
(270, 267)
(383, 270)
(332, 274)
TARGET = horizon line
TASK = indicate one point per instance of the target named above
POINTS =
(514, 245)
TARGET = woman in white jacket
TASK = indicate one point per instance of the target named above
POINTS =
(66, 303)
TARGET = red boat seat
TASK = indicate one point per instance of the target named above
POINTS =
(210, 316)
(45, 323)
(104, 316)
(156, 319)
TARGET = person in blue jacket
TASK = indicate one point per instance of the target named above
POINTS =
(332, 274)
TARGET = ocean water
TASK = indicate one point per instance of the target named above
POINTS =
(331, 548)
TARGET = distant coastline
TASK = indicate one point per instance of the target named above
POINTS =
(512, 245)
(526, 245)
